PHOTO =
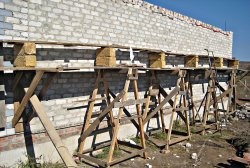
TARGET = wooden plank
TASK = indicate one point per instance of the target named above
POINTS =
(93, 160)
(129, 102)
(126, 112)
(164, 94)
(1, 54)
(153, 92)
(140, 121)
(19, 126)
(54, 136)
(225, 93)
(95, 148)
(179, 139)
(26, 97)
(117, 123)
(182, 109)
(90, 109)
(2, 114)
(2, 102)
(166, 99)
(126, 157)
(98, 120)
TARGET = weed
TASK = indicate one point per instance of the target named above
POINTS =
(160, 135)
(105, 152)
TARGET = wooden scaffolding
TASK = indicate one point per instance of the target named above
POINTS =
(180, 100)
(180, 109)
(119, 101)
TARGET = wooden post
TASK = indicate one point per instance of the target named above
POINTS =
(2, 96)
(117, 123)
(55, 138)
(90, 109)
(138, 110)
(26, 97)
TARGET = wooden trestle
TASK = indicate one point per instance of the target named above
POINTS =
(179, 108)
(180, 100)
(119, 101)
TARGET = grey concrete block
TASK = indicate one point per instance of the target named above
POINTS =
(4, 25)
(4, 12)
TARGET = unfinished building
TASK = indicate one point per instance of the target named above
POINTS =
(68, 82)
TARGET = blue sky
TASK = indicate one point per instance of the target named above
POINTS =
(236, 14)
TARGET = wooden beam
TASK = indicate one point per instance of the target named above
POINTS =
(98, 120)
(225, 93)
(129, 103)
(54, 136)
(26, 97)
(166, 99)
(2, 104)
(164, 94)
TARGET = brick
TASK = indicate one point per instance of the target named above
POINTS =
(24, 49)
(4, 25)
(11, 7)
(25, 61)
(12, 20)
(157, 60)
(36, 1)
(20, 27)
(4, 12)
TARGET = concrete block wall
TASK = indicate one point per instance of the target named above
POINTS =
(128, 23)
(124, 22)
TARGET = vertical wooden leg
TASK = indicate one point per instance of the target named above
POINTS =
(138, 110)
(106, 90)
(171, 123)
(162, 115)
(90, 110)
(117, 124)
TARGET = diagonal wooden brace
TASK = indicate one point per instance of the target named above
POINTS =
(26, 97)
(166, 99)
(54, 136)
(98, 120)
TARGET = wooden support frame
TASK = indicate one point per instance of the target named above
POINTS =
(179, 91)
(210, 99)
(132, 75)
(30, 96)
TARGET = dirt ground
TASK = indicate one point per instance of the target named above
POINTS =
(213, 150)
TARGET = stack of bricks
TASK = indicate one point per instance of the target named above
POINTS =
(233, 63)
(157, 60)
(106, 57)
(25, 54)
(218, 62)
(191, 61)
